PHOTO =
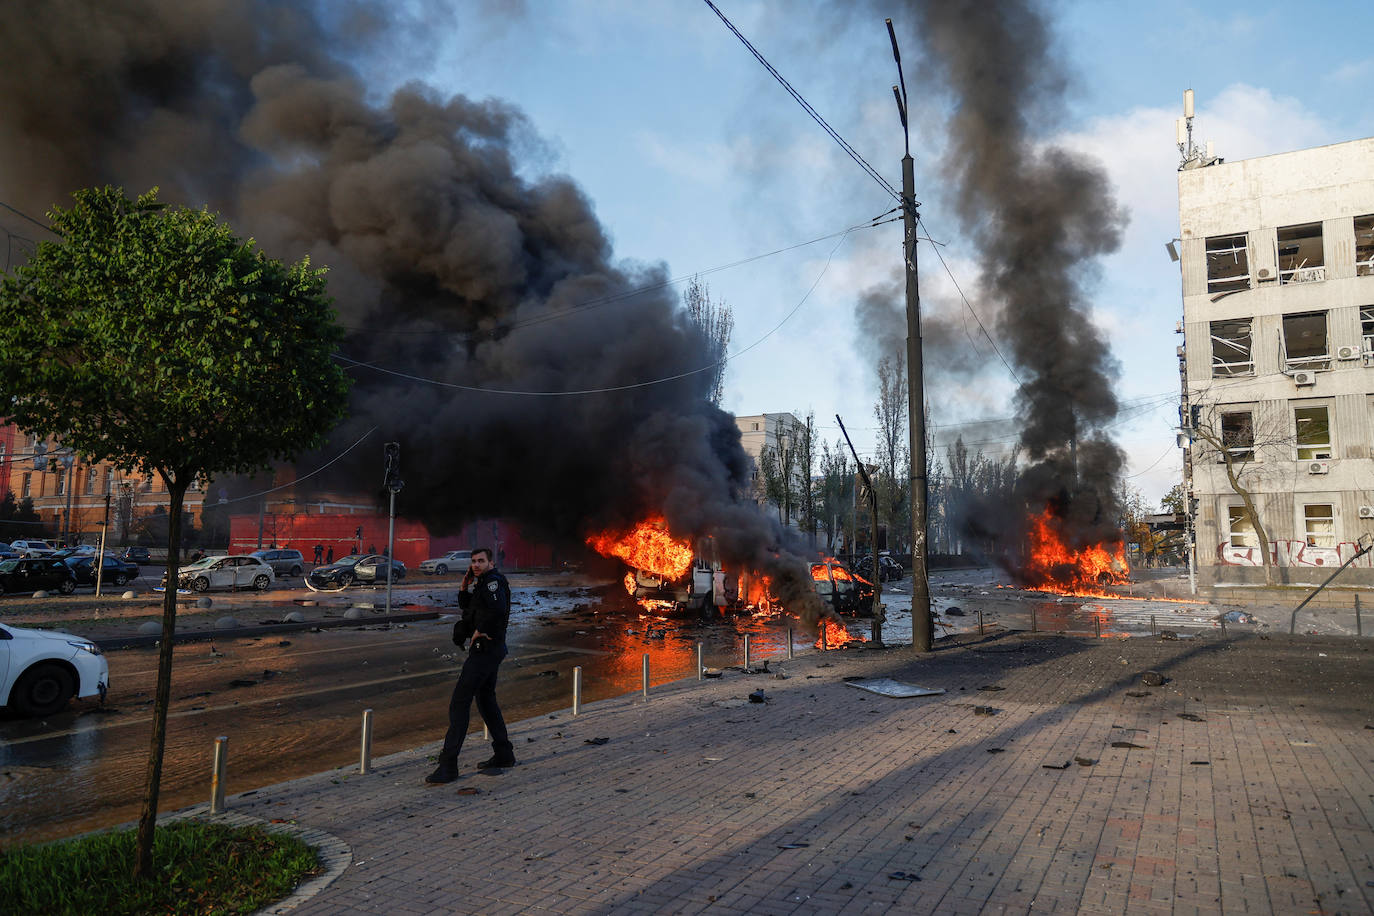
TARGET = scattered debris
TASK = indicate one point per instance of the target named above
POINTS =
(903, 876)
(1167, 634)
(549, 673)
(596, 741)
(469, 790)
(794, 845)
(1152, 679)
(991, 687)
(242, 682)
(758, 697)
(1190, 717)
(1084, 761)
(954, 612)
(996, 750)
(711, 672)
(985, 711)
(535, 857)
(1137, 693)
(1237, 617)
(1199, 763)
(887, 687)
(1129, 745)
(1053, 766)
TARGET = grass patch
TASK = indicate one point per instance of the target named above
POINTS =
(198, 868)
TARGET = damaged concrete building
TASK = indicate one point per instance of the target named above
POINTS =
(1277, 257)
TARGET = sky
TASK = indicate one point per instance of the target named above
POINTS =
(693, 156)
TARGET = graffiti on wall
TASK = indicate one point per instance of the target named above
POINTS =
(1294, 553)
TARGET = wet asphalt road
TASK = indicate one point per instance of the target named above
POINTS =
(292, 705)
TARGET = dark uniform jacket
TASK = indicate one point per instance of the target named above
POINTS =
(486, 609)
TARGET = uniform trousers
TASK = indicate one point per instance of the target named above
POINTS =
(477, 681)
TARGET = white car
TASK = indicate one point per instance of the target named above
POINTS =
(454, 559)
(32, 548)
(224, 572)
(41, 670)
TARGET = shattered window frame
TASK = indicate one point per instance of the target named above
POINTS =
(1228, 263)
(1364, 245)
(1319, 527)
(1240, 530)
(1237, 430)
(1300, 347)
(1232, 339)
(1367, 329)
(1312, 431)
(1301, 253)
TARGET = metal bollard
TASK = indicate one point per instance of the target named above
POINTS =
(701, 669)
(1097, 625)
(217, 775)
(790, 656)
(1032, 618)
(1153, 630)
(646, 675)
(980, 621)
(365, 761)
(746, 651)
(577, 690)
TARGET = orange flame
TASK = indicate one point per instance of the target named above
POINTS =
(648, 546)
(833, 635)
(1054, 566)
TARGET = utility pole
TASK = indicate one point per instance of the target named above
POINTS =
(922, 630)
(878, 614)
(392, 480)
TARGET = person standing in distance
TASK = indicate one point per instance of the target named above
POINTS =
(485, 602)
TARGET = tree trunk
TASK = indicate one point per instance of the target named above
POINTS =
(143, 865)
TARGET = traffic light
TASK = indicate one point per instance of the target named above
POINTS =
(358, 533)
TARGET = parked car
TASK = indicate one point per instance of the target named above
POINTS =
(454, 559)
(29, 574)
(370, 568)
(283, 562)
(889, 568)
(63, 553)
(224, 572)
(115, 571)
(30, 547)
(41, 670)
(137, 555)
(6, 553)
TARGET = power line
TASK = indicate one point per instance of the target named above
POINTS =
(16, 211)
(614, 388)
(806, 106)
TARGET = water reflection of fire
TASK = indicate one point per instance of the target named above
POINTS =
(833, 634)
(1053, 566)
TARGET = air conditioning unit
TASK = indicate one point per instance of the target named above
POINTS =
(1347, 353)
(1304, 377)
(1264, 273)
(1319, 467)
(1366, 511)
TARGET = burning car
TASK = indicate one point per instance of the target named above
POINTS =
(841, 589)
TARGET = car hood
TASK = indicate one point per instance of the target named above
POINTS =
(44, 635)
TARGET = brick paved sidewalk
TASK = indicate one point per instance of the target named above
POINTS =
(1248, 787)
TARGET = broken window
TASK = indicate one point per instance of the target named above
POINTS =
(61, 482)
(1319, 524)
(1304, 341)
(1231, 348)
(1367, 329)
(1364, 246)
(1238, 435)
(1314, 432)
(1228, 263)
(27, 489)
(1242, 530)
(1300, 254)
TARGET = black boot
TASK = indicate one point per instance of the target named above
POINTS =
(498, 762)
(445, 773)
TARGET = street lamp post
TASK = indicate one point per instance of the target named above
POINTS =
(922, 630)
(393, 482)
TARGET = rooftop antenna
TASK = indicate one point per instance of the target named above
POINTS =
(1193, 155)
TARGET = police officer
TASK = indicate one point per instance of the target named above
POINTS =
(485, 601)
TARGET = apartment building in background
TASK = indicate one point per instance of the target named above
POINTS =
(1277, 258)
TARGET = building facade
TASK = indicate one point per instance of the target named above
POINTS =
(777, 432)
(1277, 258)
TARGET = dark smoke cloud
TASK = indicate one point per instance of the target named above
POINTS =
(445, 264)
(1038, 215)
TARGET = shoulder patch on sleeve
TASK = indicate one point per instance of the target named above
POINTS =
(491, 586)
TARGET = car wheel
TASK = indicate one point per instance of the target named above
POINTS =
(200, 584)
(119, 581)
(345, 579)
(400, 574)
(42, 690)
(262, 582)
(67, 586)
(295, 570)
(441, 570)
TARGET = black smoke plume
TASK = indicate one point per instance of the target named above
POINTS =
(1039, 215)
(491, 333)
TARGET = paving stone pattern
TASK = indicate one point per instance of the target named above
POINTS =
(829, 799)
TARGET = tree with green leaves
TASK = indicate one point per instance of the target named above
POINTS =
(153, 338)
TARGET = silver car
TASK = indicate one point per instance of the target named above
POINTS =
(283, 562)
(454, 559)
(224, 572)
